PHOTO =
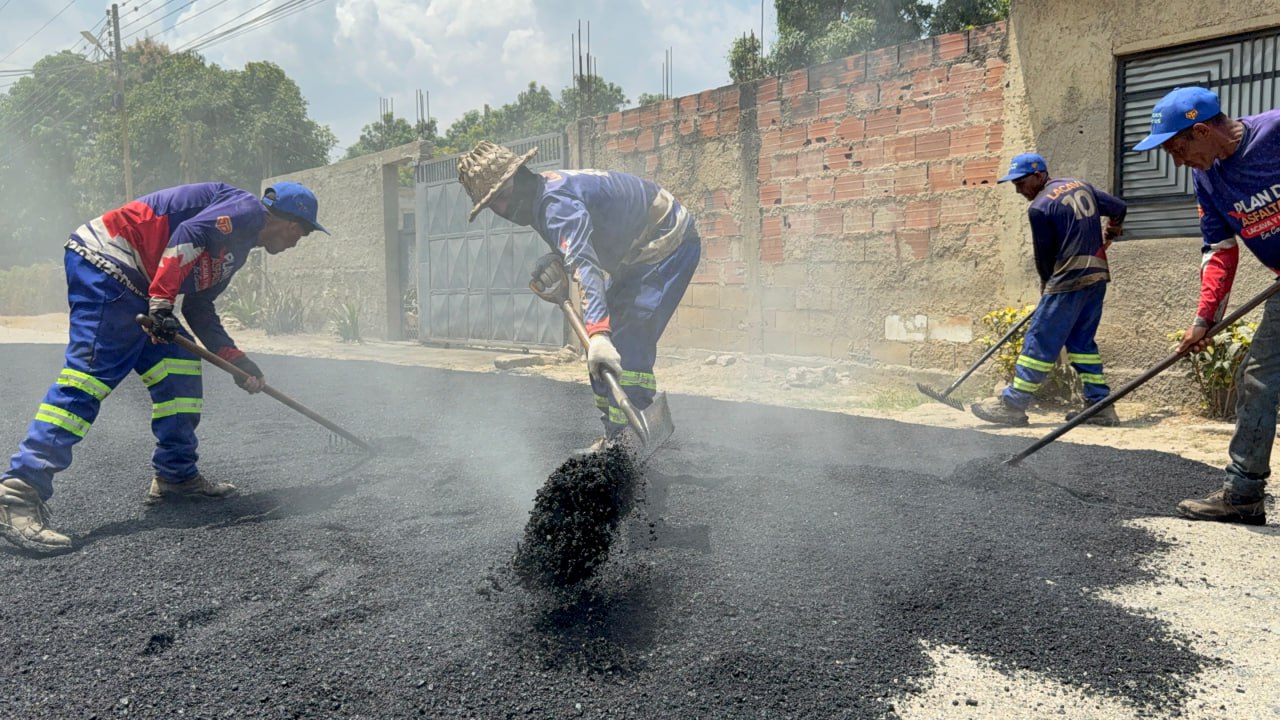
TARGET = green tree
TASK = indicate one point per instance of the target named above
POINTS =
(592, 96)
(534, 112)
(189, 121)
(746, 61)
(388, 132)
(650, 98)
(954, 15)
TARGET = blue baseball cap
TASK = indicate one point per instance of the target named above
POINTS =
(1178, 110)
(295, 200)
(1025, 164)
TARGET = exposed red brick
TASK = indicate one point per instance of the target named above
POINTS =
(986, 106)
(895, 92)
(630, 119)
(869, 153)
(995, 77)
(794, 137)
(627, 144)
(980, 236)
(770, 141)
(728, 120)
(715, 200)
(914, 117)
(821, 131)
(770, 252)
(933, 145)
(882, 122)
(833, 103)
(882, 63)
(708, 126)
(981, 171)
(864, 96)
(771, 227)
(945, 176)
(949, 111)
(820, 189)
(770, 194)
(878, 183)
(969, 140)
(802, 107)
(957, 210)
(827, 75)
(651, 164)
(766, 91)
(649, 115)
(858, 220)
(837, 157)
(910, 180)
(829, 221)
(687, 126)
(727, 225)
(811, 161)
(795, 83)
(928, 82)
(644, 140)
(921, 214)
(886, 218)
(995, 138)
(899, 148)
(714, 248)
(729, 97)
(708, 101)
(613, 123)
(795, 192)
(847, 186)
(797, 224)
(952, 45)
(965, 77)
(916, 240)
(915, 55)
(666, 110)
(988, 36)
(784, 166)
(768, 115)
(850, 129)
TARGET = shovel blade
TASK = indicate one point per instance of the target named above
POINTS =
(657, 418)
(937, 395)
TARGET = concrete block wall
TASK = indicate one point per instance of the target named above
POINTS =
(847, 210)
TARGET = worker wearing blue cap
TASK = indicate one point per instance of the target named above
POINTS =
(136, 260)
(1235, 166)
(1070, 244)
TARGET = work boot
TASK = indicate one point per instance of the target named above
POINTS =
(24, 519)
(197, 488)
(997, 411)
(1221, 507)
(1105, 417)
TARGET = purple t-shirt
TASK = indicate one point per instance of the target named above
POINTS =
(1241, 195)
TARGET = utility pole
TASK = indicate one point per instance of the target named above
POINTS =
(118, 57)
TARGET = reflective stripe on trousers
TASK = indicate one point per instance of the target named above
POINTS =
(1067, 319)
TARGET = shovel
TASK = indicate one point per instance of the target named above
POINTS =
(944, 396)
(1137, 382)
(653, 425)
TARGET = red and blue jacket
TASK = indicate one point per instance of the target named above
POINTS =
(604, 222)
(187, 240)
(1239, 197)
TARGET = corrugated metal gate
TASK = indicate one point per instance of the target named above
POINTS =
(1243, 71)
(473, 278)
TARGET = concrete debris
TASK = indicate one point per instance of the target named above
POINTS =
(511, 362)
(721, 360)
(803, 377)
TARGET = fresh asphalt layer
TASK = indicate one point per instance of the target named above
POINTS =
(781, 563)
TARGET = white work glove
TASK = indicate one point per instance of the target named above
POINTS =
(602, 353)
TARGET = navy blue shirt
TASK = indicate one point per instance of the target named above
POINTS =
(1066, 230)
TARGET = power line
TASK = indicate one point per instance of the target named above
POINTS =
(292, 7)
(179, 9)
(139, 18)
(191, 44)
(37, 32)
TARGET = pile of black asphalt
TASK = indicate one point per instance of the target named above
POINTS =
(778, 563)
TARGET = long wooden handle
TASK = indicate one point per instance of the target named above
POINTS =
(1137, 382)
(236, 372)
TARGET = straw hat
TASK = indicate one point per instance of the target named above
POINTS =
(483, 171)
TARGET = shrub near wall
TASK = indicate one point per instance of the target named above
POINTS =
(33, 289)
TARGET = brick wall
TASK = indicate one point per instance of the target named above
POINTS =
(846, 209)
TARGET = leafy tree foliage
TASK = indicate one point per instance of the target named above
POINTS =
(534, 112)
(391, 131)
(815, 31)
(650, 98)
(189, 121)
(954, 15)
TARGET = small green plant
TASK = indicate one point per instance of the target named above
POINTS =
(1060, 386)
(283, 312)
(1215, 369)
(346, 321)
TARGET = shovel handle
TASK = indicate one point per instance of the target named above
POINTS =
(236, 372)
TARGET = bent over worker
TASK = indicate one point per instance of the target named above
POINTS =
(187, 240)
(630, 244)
(1070, 246)
(1235, 166)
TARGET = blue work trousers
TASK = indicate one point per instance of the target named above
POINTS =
(1257, 395)
(641, 300)
(106, 344)
(1070, 319)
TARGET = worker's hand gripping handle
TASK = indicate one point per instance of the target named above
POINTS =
(558, 291)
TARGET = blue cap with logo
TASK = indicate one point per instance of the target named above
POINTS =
(1025, 164)
(1178, 110)
(294, 199)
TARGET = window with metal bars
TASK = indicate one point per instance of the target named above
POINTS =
(1242, 69)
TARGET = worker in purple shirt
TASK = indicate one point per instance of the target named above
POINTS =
(1070, 245)
(1235, 166)
(629, 243)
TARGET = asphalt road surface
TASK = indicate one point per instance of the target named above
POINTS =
(781, 563)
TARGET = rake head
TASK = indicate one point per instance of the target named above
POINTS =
(940, 396)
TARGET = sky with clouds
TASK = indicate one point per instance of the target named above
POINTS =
(347, 54)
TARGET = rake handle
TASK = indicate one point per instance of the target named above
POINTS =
(986, 355)
(1142, 379)
(236, 372)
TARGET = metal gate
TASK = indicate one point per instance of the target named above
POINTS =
(473, 278)
(1243, 70)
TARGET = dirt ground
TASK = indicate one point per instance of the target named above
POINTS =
(1215, 583)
